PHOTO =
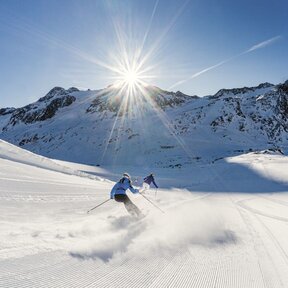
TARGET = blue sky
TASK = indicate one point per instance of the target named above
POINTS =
(196, 46)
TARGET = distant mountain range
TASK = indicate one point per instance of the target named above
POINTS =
(150, 127)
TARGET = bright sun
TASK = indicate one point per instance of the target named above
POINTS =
(130, 73)
(131, 77)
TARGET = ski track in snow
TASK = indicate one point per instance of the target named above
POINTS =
(203, 240)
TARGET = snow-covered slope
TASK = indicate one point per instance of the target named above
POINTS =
(154, 128)
(18, 155)
(206, 238)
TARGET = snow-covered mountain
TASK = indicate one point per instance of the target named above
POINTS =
(152, 127)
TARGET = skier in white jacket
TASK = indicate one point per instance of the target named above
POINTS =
(118, 193)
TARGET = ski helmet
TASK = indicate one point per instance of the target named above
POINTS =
(127, 175)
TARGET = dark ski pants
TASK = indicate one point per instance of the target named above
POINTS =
(129, 205)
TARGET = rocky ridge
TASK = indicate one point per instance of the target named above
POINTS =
(70, 120)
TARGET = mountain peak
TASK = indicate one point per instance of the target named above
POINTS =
(121, 101)
(243, 90)
(58, 91)
(53, 92)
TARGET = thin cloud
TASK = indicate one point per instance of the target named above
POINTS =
(264, 44)
(199, 73)
(253, 48)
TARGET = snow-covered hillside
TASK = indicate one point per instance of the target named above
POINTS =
(213, 233)
(155, 128)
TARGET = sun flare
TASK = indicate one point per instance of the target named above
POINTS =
(131, 77)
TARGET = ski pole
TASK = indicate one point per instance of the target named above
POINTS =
(98, 205)
(156, 190)
(143, 190)
(153, 203)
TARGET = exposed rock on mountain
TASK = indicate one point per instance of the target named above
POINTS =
(111, 99)
(5, 111)
(150, 127)
(45, 108)
(237, 91)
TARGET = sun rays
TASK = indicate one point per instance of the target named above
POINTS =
(133, 68)
(129, 76)
(130, 63)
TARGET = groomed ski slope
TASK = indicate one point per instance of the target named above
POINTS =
(227, 228)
